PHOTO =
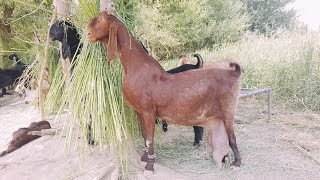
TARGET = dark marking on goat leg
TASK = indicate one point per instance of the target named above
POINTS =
(233, 142)
(144, 157)
(150, 126)
(198, 134)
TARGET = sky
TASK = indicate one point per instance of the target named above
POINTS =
(308, 12)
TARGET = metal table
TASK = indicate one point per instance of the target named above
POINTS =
(248, 92)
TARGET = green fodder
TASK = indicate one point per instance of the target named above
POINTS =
(93, 97)
(289, 62)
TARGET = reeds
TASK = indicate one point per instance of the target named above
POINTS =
(289, 62)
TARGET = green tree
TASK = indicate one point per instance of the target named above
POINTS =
(17, 24)
(267, 16)
(170, 28)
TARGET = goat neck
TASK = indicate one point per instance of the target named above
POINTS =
(132, 55)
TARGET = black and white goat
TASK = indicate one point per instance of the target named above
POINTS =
(67, 34)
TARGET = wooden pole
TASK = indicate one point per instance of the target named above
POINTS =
(43, 70)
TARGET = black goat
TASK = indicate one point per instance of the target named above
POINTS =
(186, 67)
(9, 76)
(67, 34)
(198, 131)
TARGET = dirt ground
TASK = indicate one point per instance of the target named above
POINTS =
(286, 147)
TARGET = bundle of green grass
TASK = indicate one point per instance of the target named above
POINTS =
(93, 97)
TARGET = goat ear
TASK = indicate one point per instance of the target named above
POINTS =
(113, 41)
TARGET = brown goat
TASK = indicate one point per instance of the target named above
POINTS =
(193, 98)
(21, 137)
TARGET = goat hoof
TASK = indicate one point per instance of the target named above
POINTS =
(236, 163)
(149, 167)
(224, 159)
(91, 142)
(197, 143)
(147, 172)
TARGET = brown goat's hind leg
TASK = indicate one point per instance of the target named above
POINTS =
(149, 125)
(144, 157)
(232, 141)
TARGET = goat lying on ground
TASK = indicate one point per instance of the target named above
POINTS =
(9, 76)
(21, 137)
(200, 97)
(198, 131)
(67, 34)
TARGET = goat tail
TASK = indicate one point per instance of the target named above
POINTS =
(237, 67)
(200, 61)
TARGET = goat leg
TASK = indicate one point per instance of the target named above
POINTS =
(149, 124)
(144, 157)
(232, 141)
(198, 133)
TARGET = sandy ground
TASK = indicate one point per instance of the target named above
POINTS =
(287, 147)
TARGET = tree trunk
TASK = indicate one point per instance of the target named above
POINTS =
(5, 29)
(62, 7)
(62, 11)
(106, 5)
(43, 74)
(5, 26)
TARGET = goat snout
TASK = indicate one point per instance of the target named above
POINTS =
(90, 37)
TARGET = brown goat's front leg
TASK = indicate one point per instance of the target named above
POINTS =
(149, 125)
(232, 141)
(144, 157)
